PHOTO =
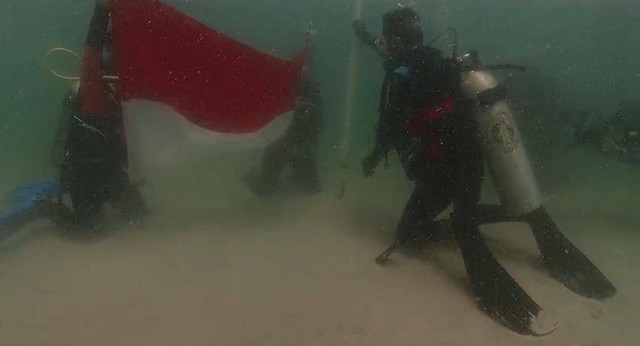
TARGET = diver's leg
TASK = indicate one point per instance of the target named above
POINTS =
(497, 292)
(64, 217)
(416, 223)
(567, 263)
(276, 157)
(90, 167)
(493, 213)
(427, 201)
(89, 190)
(305, 171)
(87, 202)
(128, 199)
(132, 203)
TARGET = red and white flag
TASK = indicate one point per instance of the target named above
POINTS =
(186, 88)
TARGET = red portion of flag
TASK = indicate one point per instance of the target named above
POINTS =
(92, 88)
(212, 80)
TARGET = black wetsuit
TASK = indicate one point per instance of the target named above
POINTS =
(94, 168)
(296, 149)
(424, 118)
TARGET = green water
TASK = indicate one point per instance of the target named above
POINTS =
(581, 54)
(590, 47)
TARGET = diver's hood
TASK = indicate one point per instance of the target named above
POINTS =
(404, 24)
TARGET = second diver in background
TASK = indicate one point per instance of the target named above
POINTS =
(297, 148)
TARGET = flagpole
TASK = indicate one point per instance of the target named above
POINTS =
(352, 75)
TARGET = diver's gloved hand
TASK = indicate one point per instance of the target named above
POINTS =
(369, 165)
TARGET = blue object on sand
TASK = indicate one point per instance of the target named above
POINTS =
(41, 190)
(24, 199)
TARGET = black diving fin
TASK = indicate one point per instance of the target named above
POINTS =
(567, 263)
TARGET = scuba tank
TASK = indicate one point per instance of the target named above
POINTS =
(502, 146)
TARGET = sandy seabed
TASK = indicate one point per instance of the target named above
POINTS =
(214, 265)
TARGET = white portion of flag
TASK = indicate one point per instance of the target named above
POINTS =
(158, 137)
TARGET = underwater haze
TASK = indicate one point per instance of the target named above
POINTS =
(213, 264)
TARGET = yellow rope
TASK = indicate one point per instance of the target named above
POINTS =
(61, 76)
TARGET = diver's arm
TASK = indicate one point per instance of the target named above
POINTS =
(386, 133)
(367, 37)
(386, 129)
(380, 151)
(382, 147)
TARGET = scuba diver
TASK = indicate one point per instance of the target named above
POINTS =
(94, 168)
(429, 119)
(89, 152)
(297, 148)
(617, 136)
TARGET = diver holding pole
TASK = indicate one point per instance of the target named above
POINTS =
(90, 149)
(446, 117)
